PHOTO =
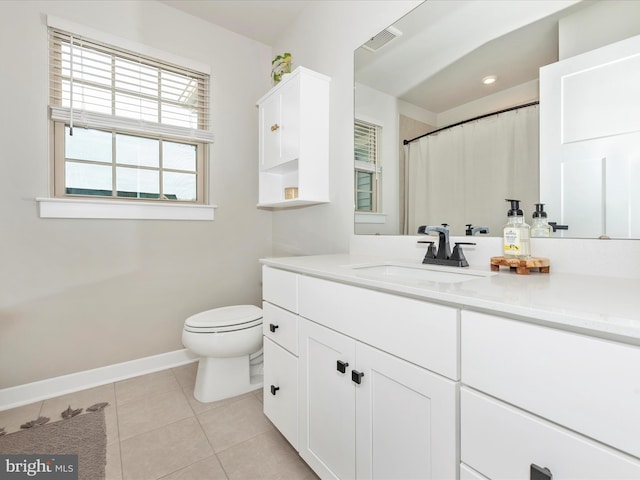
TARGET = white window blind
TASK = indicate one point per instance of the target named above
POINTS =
(366, 144)
(367, 168)
(94, 85)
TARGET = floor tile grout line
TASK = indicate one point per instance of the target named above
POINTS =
(115, 407)
(213, 452)
(216, 454)
(146, 394)
(155, 429)
(245, 440)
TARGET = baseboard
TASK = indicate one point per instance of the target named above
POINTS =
(53, 387)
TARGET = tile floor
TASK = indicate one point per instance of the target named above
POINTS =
(156, 429)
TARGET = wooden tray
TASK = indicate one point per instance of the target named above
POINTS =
(522, 266)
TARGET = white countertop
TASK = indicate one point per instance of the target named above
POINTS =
(606, 307)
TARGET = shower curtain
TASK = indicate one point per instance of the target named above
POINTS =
(463, 174)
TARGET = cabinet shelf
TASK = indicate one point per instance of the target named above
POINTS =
(294, 141)
(294, 202)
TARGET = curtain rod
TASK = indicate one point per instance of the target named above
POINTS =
(406, 142)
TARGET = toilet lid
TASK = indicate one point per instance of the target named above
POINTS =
(236, 316)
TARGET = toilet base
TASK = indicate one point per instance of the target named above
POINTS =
(220, 378)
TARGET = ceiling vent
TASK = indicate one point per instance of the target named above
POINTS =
(381, 39)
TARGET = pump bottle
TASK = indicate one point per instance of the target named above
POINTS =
(516, 242)
(540, 227)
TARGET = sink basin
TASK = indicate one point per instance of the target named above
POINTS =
(419, 273)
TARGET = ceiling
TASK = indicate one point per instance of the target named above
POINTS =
(259, 20)
(446, 49)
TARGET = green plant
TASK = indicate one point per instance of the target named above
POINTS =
(279, 66)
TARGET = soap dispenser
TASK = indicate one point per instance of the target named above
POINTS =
(540, 227)
(516, 242)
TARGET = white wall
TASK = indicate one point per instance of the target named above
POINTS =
(518, 95)
(323, 38)
(603, 23)
(80, 294)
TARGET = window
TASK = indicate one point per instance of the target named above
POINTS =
(367, 168)
(125, 126)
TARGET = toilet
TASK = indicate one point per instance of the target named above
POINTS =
(225, 339)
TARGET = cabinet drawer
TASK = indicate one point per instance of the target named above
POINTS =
(417, 331)
(284, 325)
(280, 288)
(281, 406)
(587, 384)
(502, 442)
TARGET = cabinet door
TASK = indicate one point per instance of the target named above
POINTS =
(290, 121)
(589, 135)
(270, 132)
(281, 390)
(406, 419)
(327, 404)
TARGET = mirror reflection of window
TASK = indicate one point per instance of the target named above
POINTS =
(367, 166)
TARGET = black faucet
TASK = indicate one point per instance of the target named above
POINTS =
(444, 250)
(444, 256)
(555, 226)
(471, 230)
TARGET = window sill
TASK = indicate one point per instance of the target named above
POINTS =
(372, 217)
(89, 208)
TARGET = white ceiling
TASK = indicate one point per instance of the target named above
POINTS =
(257, 19)
(446, 48)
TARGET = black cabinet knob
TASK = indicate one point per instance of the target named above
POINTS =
(341, 366)
(539, 473)
(273, 327)
(356, 376)
(274, 389)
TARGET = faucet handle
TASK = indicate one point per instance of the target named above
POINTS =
(431, 251)
(458, 255)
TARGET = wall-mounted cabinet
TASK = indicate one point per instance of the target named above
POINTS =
(294, 141)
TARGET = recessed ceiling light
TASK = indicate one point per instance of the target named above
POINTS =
(489, 79)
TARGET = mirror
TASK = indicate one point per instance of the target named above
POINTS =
(425, 72)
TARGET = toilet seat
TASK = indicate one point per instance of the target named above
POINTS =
(224, 319)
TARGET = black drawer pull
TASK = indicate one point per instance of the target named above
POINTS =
(273, 327)
(274, 389)
(341, 366)
(539, 473)
(356, 376)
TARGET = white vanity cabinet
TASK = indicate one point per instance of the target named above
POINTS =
(365, 413)
(534, 397)
(294, 140)
(280, 347)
